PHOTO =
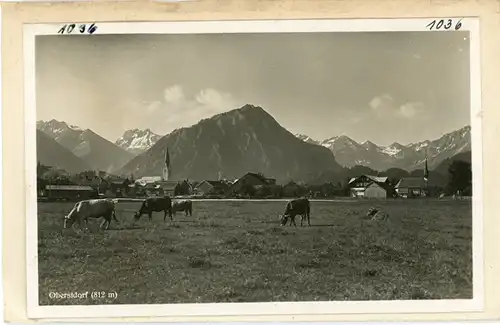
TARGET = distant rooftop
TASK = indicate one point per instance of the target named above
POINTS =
(411, 182)
(69, 188)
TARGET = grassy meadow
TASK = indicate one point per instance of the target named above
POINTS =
(237, 252)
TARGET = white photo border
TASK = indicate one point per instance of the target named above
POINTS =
(476, 304)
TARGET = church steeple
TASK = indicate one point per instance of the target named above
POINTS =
(167, 168)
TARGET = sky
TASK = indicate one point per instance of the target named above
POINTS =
(381, 86)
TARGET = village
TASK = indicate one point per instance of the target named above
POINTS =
(250, 185)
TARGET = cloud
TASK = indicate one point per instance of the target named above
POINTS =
(177, 110)
(214, 99)
(174, 94)
(382, 104)
(410, 109)
(385, 106)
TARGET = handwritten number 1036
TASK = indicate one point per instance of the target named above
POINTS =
(444, 23)
(69, 29)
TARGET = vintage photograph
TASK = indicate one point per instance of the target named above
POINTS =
(254, 167)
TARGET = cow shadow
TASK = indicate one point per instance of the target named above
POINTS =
(132, 227)
(146, 224)
(185, 221)
(307, 226)
(324, 225)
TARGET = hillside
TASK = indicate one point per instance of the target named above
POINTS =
(442, 168)
(51, 153)
(98, 152)
(137, 141)
(409, 157)
(233, 143)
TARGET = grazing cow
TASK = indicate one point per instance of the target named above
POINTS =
(183, 205)
(155, 204)
(86, 209)
(296, 207)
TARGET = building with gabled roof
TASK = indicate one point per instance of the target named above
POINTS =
(377, 186)
(251, 179)
(69, 192)
(411, 187)
(211, 187)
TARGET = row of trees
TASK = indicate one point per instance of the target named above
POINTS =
(459, 178)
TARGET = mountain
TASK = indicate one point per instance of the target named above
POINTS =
(137, 141)
(306, 138)
(98, 152)
(243, 140)
(442, 168)
(51, 153)
(408, 157)
(447, 146)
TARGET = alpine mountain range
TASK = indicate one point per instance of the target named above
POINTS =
(247, 139)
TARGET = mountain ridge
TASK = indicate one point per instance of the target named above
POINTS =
(50, 153)
(349, 153)
(98, 152)
(269, 144)
(246, 139)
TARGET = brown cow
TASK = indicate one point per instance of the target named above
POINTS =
(296, 207)
(96, 208)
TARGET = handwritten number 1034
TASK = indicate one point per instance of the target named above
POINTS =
(444, 24)
(71, 28)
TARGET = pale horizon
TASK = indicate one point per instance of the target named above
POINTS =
(383, 87)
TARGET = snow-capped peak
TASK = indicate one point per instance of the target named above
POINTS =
(368, 145)
(305, 138)
(392, 150)
(339, 142)
(75, 127)
(137, 140)
(55, 128)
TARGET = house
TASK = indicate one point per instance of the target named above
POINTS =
(118, 188)
(375, 191)
(207, 187)
(69, 192)
(359, 185)
(169, 188)
(148, 190)
(148, 179)
(292, 189)
(251, 180)
(411, 187)
(185, 188)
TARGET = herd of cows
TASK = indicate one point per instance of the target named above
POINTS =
(106, 209)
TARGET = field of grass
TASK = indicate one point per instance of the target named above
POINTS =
(237, 252)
